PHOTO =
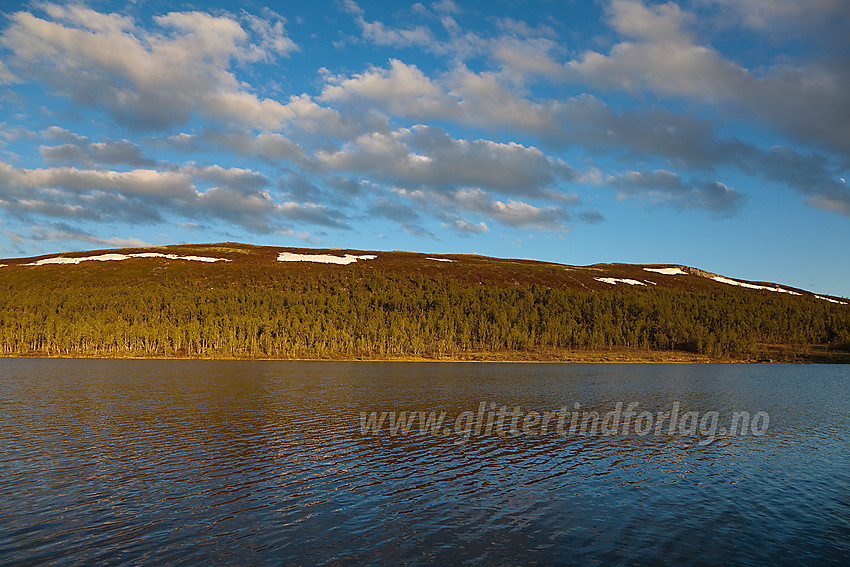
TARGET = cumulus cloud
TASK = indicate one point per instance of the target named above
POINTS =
(520, 51)
(660, 55)
(484, 100)
(257, 211)
(664, 23)
(517, 214)
(138, 196)
(804, 98)
(425, 156)
(148, 79)
(272, 147)
(138, 182)
(513, 213)
(242, 180)
(520, 59)
(400, 89)
(467, 227)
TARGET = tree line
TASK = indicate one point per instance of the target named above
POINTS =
(367, 313)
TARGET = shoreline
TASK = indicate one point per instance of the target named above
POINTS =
(612, 356)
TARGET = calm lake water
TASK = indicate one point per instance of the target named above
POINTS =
(199, 462)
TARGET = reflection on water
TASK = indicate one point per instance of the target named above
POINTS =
(187, 462)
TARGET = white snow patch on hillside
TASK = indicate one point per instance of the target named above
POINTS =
(323, 258)
(831, 300)
(439, 259)
(615, 281)
(118, 257)
(721, 279)
(667, 271)
(176, 257)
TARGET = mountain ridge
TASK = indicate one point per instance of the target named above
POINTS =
(644, 273)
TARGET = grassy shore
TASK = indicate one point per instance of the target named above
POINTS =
(610, 355)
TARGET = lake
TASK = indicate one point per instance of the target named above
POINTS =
(252, 463)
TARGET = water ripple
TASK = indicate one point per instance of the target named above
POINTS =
(138, 462)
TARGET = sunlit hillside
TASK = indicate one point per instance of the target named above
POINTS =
(236, 300)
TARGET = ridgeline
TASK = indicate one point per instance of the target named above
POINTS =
(240, 301)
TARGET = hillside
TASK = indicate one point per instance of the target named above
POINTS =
(240, 301)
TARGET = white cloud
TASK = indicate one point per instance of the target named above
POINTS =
(520, 59)
(305, 114)
(352, 7)
(513, 213)
(141, 195)
(517, 214)
(520, 51)
(243, 180)
(428, 156)
(445, 6)
(805, 98)
(270, 146)
(6, 76)
(462, 96)
(662, 58)
(484, 99)
(663, 23)
(401, 89)
(146, 78)
(272, 35)
(139, 181)
(467, 227)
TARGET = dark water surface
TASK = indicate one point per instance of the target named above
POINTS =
(200, 462)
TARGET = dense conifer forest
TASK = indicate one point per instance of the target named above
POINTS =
(152, 307)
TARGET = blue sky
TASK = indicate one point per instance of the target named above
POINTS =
(711, 133)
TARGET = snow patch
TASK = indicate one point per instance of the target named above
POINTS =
(176, 257)
(667, 271)
(615, 281)
(323, 258)
(831, 300)
(721, 279)
(439, 259)
(118, 257)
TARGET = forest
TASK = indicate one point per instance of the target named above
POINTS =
(372, 313)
